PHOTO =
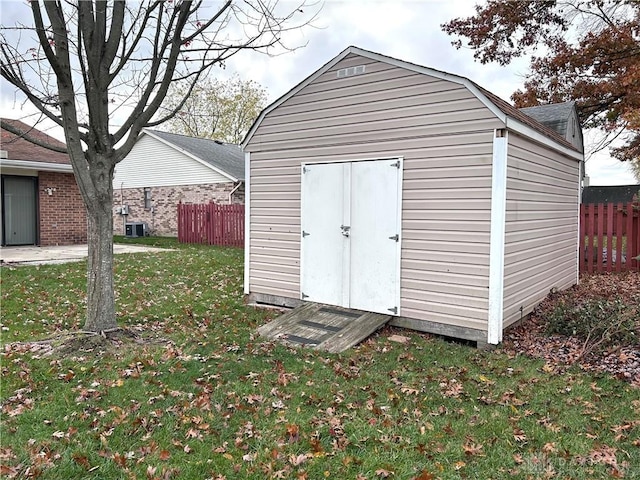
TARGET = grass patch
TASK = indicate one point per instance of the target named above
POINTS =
(202, 397)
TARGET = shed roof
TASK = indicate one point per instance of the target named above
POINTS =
(512, 118)
(18, 148)
(553, 115)
(224, 157)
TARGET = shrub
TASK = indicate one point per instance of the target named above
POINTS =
(601, 323)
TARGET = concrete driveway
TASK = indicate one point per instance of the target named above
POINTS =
(31, 255)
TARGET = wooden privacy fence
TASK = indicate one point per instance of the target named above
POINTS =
(211, 224)
(609, 237)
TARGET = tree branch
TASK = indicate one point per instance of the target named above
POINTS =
(9, 127)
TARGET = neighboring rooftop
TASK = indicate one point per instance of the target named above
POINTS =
(610, 194)
(18, 148)
(223, 156)
(554, 115)
(524, 117)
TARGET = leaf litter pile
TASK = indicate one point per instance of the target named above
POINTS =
(614, 344)
(196, 394)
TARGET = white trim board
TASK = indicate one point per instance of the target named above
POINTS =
(495, 319)
(247, 220)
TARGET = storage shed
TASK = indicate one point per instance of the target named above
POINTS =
(384, 186)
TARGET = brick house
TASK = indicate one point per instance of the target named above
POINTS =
(164, 169)
(41, 202)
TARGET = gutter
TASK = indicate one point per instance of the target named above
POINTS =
(39, 166)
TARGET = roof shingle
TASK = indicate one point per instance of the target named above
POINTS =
(18, 148)
(223, 156)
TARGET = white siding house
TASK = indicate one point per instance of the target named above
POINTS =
(164, 169)
(485, 199)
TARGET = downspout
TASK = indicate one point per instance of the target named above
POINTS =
(124, 217)
(233, 191)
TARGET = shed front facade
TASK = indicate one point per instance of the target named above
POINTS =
(381, 185)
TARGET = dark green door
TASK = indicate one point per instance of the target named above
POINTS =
(19, 210)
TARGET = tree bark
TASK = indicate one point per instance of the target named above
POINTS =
(101, 310)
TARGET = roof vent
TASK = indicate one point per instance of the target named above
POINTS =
(351, 71)
(4, 154)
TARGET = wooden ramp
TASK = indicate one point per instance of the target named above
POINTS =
(323, 327)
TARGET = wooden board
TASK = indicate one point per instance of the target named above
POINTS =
(323, 327)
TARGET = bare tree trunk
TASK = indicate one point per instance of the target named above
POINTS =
(101, 311)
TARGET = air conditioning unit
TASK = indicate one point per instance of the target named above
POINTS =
(136, 229)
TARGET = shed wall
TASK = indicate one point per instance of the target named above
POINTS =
(152, 163)
(445, 136)
(541, 231)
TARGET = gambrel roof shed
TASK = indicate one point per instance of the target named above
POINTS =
(385, 186)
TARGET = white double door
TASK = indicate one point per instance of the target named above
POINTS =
(350, 245)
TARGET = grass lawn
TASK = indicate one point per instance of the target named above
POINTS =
(198, 396)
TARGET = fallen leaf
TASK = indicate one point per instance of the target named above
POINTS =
(384, 473)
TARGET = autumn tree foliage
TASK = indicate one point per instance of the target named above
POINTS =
(216, 109)
(582, 50)
(101, 70)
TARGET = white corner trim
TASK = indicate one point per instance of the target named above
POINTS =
(581, 172)
(400, 233)
(247, 219)
(496, 248)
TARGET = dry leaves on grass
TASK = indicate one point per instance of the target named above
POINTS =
(622, 361)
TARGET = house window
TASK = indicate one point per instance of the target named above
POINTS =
(147, 198)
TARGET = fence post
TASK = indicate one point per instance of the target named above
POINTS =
(619, 234)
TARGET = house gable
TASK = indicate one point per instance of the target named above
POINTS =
(154, 163)
(224, 158)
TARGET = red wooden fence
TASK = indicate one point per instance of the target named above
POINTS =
(211, 224)
(609, 237)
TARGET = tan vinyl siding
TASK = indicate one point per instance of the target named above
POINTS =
(444, 135)
(541, 225)
(152, 163)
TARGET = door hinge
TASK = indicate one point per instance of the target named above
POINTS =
(305, 234)
(305, 169)
(396, 164)
(393, 310)
(303, 296)
(396, 237)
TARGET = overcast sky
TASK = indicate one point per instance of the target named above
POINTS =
(407, 30)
